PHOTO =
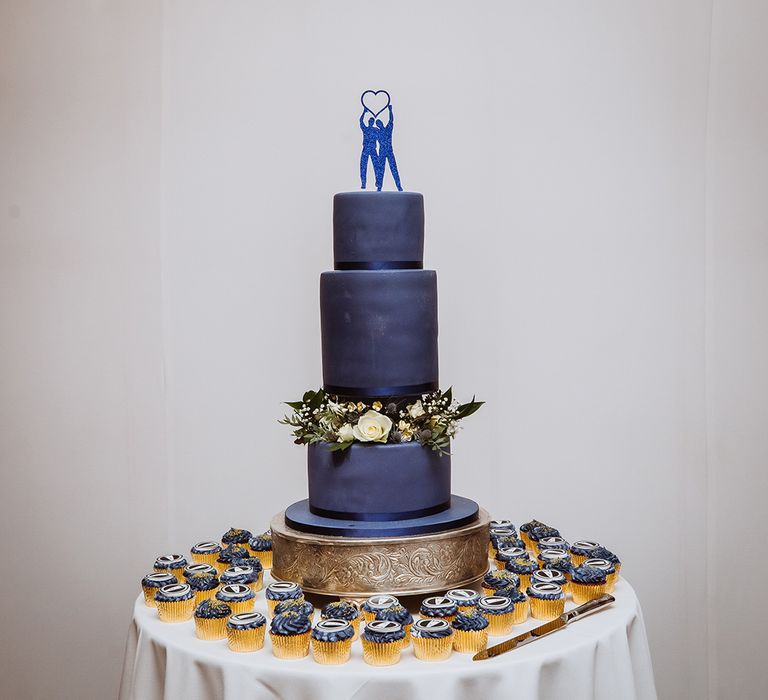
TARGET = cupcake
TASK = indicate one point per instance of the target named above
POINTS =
(523, 567)
(499, 578)
(282, 590)
(261, 546)
(152, 582)
(556, 560)
(175, 603)
(520, 613)
(332, 641)
(550, 576)
(171, 564)
(204, 586)
(499, 610)
(243, 574)
(547, 600)
(587, 583)
(342, 610)
(245, 631)
(499, 533)
(289, 633)
(211, 619)
(501, 523)
(375, 603)
(206, 552)
(609, 569)
(470, 632)
(432, 639)
(505, 554)
(236, 536)
(554, 542)
(465, 598)
(296, 605)
(608, 555)
(382, 642)
(581, 550)
(525, 528)
(439, 606)
(397, 613)
(199, 569)
(536, 534)
(229, 556)
(238, 596)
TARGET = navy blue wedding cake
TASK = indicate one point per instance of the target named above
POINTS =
(387, 471)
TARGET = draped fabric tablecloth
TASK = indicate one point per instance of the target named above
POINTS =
(601, 657)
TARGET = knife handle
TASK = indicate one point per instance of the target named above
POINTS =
(589, 606)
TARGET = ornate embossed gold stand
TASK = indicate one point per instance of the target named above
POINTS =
(352, 567)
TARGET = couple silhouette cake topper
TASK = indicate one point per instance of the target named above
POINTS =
(377, 138)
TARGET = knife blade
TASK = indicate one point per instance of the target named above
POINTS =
(542, 630)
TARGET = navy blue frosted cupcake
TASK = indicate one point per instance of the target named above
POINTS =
(608, 555)
(342, 610)
(199, 569)
(497, 534)
(525, 528)
(499, 610)
(609, 569)
(204, 585)
(470, 632)
(439, 606)
(175, 603)
(553, 542)
(152, 583)
(243, 574)
(465, 598)
(236, 536)
(547, 600)
(230, 555)
(375, 603)
(296, 605)
(523, 567)
(261, 547)
(332, 641)
(282, 590)
(290, 633)
(539, 533)
(499, 578)
(581, 550)
(171, 564)
(238, 596)
(521, 603)
(211, 619)
(206, 552)
(549, 576)
(246, 632)
(505, 554)
(501, 523)
(397, 613)
(382, 642)
(432, 639)
(558, 559)
(587, 583)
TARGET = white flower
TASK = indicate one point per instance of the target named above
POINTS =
(415, 410)
(346, 433)
(372, 427)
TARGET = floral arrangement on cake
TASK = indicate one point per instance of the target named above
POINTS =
(431, 420)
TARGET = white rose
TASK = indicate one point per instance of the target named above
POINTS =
(346, 433)
(415, 410)
(372, 427)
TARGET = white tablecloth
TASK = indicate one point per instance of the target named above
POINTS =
(601, 657)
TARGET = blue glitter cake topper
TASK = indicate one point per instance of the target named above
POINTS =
(377, 138)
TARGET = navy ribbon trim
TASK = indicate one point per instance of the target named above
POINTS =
(380, 517)
(367, 391)
(379, 265)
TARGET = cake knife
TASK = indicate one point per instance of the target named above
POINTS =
(547, 628)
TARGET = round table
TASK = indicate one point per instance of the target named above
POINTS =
(603, 656)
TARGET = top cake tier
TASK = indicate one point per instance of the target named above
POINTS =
(378, 231)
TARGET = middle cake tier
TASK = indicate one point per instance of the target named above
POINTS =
(379, 332)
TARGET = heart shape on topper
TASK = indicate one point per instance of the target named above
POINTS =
(375, 101)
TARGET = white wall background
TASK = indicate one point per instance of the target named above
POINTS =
(595, 178)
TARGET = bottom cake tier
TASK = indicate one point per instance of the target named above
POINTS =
(357, 567)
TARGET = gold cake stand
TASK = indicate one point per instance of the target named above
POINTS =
(357, 567)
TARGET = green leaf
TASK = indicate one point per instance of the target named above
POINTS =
(296, 405)
(339, 446)
(449, 395)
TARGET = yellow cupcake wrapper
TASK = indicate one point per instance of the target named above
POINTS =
(331, 653)
(149, 595)
(211, 628)
(470, 641)
(241, 606)
(178, 573)
(258, 584)
(205, 558)
(542, 609)
(584, 592)
(520, 613)
(221, 566)
(500, 624)
(175, 610)
(380, 653)
(430, 649)
(246, 640)
(491, 550)
(264, 557)
(290, 646)
(578, 559)
(200, 596)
